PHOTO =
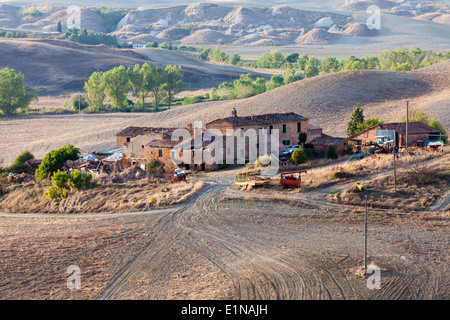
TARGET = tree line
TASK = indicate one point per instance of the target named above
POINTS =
(143, 80)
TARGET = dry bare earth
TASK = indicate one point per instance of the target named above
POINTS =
(213, 248)
(327, 100)
(55, 66)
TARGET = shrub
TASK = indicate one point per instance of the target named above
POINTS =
(18, 165)
(186, 101)
(154, 166)
(331, 153)
(299, 156)
(55, 159)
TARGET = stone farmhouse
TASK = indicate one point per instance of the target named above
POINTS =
(142, 145)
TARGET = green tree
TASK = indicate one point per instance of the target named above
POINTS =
(59, 27)
(213, 94)
(329, 65)
(156, 85)
(331, 153)
(95, 91)
(235, 59)
(311, 70)
(299, 156)
(291, 75)
(275, 82)
(173, 76)
(218, 55)
(55, 159)
(271, 59)
(356, 119)
(14, 93)
(292, 58)
(140, 77)
(302, 137)
(369, 123)
(78, 102)
(260, 85)
(117, 86)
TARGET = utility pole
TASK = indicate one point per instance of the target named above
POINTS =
(407, 121)
(395, 166)
(395, 174)
(365, 237)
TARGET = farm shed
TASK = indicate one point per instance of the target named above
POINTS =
(418, 133)
(323, 142)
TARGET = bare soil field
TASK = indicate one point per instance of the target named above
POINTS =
(218, 245)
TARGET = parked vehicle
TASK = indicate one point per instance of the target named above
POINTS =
(286, 153)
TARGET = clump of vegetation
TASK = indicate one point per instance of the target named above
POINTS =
(143, 80)
(33, 13)
(331, 153)
(63, 182)
(299, 156)
(19, 166)
(55, 159)
(154, 166)
(14, 93)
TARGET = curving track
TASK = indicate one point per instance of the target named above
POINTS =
(249, 249)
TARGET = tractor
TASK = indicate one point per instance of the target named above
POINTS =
(383, 145)
(179, 175)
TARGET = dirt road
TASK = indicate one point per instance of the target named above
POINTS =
(219, 246)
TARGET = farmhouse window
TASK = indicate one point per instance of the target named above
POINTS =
(160, 153)
(128, 139)
(284, 128)
(299, 127)
(270, 129)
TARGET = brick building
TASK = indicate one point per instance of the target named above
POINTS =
(418, 133)
(133, 141)
(322, 143)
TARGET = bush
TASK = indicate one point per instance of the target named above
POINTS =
(331, 153)
(55, 159)
(18, 165)
(299, 156)
(154, 166)
(78, 102)
(186, 101)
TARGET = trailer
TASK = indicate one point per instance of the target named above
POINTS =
(243, 179)
(291, 179)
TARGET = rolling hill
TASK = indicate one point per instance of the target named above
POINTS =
(57, 66)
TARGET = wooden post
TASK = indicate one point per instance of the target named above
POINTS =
(407, 120)
(365, 237)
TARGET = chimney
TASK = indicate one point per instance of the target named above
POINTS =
(234, 113)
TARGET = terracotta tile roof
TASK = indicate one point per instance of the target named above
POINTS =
(400, 127)
(313, 127)
(328, 140)
(136, 131)
(164, 143)
(263, 119)
(413, 127)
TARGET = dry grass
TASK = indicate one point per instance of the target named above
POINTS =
(324, 176)
(419, 185)
(111, 197)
